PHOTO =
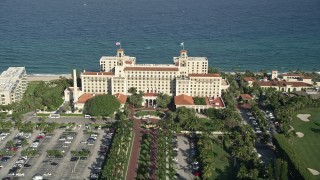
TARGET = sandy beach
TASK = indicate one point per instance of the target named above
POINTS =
(47, 77)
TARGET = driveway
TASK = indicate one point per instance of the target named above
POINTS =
(183, 166)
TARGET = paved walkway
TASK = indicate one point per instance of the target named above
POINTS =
(134, 157)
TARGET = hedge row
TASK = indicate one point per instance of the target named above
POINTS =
(296, 165)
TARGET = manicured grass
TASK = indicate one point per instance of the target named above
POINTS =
(151, 113)
(223, 168)
(77, 115)
(308, 147)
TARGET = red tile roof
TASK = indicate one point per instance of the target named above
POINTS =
(98, 73)
(272, 83)
(217, 102)
(204, 75)
(247, 79)
(84, 98)
(306, 77)
(150, 94)
(283, 83)
(245, 96)
(246, 106)
(291, 74)
(183, 100)
(128, 62)
(299, 84)
(121, 98)
(150, 69)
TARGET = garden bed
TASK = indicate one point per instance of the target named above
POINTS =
(149, 113)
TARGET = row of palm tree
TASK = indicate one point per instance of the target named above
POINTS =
(117, 159)
(165, 154)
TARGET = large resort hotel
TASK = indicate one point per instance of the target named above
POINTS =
(185, 78)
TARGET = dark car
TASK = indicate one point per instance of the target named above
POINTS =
(54, 164)
(74, 159)
(27, 165)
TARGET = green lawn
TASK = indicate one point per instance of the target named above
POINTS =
(308, 146)
(152, 113)
(223, 168)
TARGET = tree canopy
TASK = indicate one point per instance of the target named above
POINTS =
(101, 105)
(135, 99)
(163, 100)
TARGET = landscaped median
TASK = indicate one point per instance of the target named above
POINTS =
(117, 159)
(144, 157)
(152, 114)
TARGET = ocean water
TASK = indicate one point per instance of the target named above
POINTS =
(54, 36)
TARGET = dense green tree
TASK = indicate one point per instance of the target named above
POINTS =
(132, 90)
(163, 100)
(101, 105)
(135, 99)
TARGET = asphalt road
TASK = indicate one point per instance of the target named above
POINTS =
(183, 167)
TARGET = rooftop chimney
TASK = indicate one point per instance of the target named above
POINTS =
(75, 86)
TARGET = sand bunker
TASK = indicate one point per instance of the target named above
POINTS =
(314, 172)
(304, 117)
(291, 128)
(299, 134)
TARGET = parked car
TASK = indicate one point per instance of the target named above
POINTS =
(62, 139)
(27, 165)
(175, 159)
(74, 159)
(47, 174)
(54, 164)
(20, 174)
(67, 142)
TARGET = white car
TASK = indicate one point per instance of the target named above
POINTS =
(24, 157)
(20, 174)
(47, 174)
(67, 142)
(20, 161)
(62, 139)
(69, 137)
(34, 145)
(93, 135)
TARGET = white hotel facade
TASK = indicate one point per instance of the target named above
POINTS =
(13, 84)
(186, 75)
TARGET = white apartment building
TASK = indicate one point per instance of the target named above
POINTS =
(186, 75)
(13, 84)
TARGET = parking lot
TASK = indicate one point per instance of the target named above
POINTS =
(9, 162)
(263, 146)
(183, 164)
(95, 141)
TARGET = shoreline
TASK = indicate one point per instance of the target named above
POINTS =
(46, 77)
(50, 77)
